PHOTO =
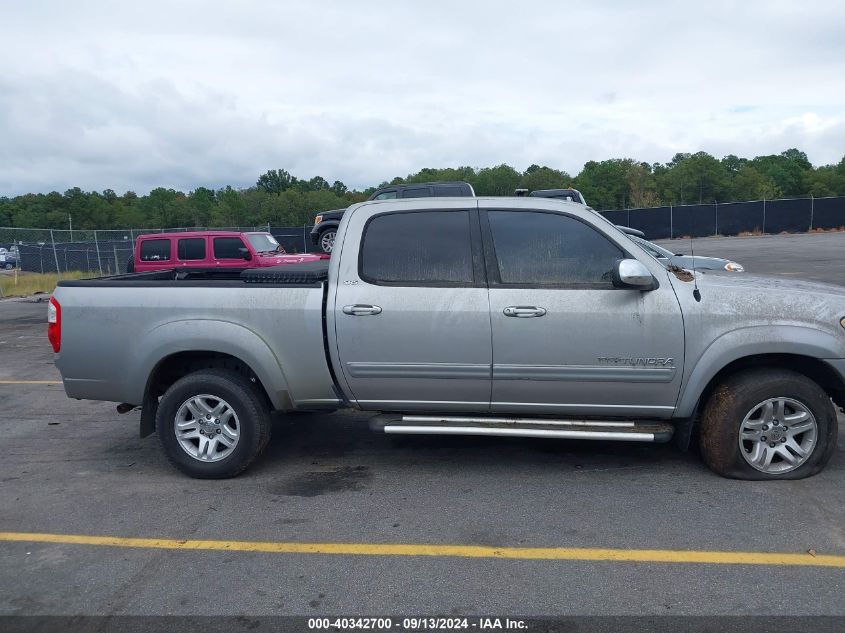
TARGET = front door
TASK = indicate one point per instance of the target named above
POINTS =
(565, 340)
(411, 313)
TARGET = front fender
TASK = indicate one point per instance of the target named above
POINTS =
(208, 335)
(750, 341)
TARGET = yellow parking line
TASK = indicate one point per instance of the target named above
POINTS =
(455, 551)
(30, 382)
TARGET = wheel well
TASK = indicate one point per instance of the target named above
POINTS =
(816, 370)
(175, 366)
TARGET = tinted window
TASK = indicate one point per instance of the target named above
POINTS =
(422, 247)
(548, 248)
(191, 248)
(155, 250)
(387, 195)
(228, 248)
(417, 192)
(445, 192)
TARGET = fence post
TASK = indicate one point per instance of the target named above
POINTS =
(55, 255)
(116, 265)
(99, 261)
(716, 205)
(132, 237)
(671, 222)
(764, 215)
(87, 262)
(812, 208)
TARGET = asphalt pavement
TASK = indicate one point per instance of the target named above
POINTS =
(78, 468)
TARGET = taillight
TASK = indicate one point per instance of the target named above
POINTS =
(54, 324)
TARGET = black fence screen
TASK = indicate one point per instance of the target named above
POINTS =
(796, 215)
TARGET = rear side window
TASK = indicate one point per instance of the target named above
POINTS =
(417, 192)
(427, 247)
(155, 250)
(535, 248)
(191, 248)
(445, 192)
(228, 248)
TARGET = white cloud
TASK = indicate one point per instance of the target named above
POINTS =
(133, 96)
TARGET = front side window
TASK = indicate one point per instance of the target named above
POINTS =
(228, 248)
(387, 195)
(534, 248)
(191, 248)
(155, 250)
(427, 247)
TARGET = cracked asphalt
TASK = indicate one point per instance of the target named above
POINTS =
(75, 467)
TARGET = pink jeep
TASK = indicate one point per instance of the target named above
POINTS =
(211, 249)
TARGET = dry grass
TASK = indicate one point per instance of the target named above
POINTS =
(23, 284)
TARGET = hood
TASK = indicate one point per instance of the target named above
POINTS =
(769, 284)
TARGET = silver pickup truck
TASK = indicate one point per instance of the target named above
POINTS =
(480, 316)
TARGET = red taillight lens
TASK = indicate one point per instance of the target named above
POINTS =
(54, 324)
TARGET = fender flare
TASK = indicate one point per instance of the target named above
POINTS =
(209, 335)
(757, 340)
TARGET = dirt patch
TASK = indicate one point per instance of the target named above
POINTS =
(680, 273)
(315, 483)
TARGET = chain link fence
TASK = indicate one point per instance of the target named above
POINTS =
(106, 252)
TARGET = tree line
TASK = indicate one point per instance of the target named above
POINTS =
(281, 199)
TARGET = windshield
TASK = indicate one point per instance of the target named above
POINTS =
(263, 242)
(653, 249)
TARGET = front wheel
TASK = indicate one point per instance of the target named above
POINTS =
(327, 240)
(768, 424)
(9, 266)
(213, 424)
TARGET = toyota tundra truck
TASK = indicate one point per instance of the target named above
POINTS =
(525, 317)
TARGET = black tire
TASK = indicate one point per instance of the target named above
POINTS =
(328, 232)
(737, 396)
(248, 404)
(9, 266)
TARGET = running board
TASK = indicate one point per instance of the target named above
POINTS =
(622, 431)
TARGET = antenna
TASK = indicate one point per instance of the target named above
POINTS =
(696, 292)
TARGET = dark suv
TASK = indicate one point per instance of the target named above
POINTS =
(326, 223)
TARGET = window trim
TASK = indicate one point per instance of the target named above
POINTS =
(492, 261)
(477, 257)
(170, 254)
(227, 237)
(185, 239)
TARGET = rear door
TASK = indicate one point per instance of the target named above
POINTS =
(411, 314)
(190, 251)
(565, 340)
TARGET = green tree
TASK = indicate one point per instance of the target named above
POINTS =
(275, 181)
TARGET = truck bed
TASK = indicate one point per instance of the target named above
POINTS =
(270, 318)
(289, 275)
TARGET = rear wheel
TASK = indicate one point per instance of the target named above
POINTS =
(213, 424)
(327, 240)
(768, 424)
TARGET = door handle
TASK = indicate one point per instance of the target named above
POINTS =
(360, 309)
(524, 312)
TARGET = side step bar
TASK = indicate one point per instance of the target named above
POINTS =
(623, 431)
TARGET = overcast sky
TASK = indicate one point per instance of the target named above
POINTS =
(182, 94)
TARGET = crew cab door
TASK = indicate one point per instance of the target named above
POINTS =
(410, 314)
(565, 340)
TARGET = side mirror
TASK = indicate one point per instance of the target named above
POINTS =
(631, 273)
(245, 253)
